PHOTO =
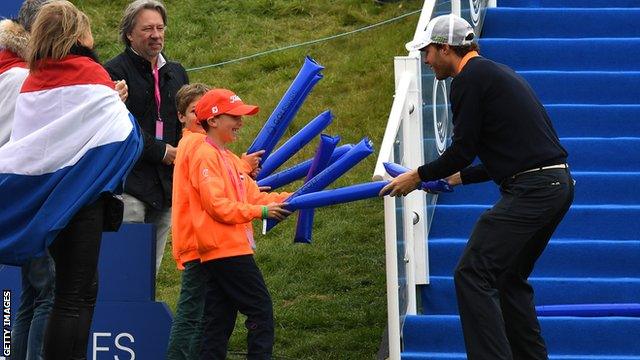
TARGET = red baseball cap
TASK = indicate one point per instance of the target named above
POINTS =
(222, 101)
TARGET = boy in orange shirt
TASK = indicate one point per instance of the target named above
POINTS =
(227, 200)
(186, 331)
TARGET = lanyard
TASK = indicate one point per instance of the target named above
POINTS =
(156, 83)
(238, 185)
(235, 179)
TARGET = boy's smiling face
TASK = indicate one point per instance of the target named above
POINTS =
(227, 127)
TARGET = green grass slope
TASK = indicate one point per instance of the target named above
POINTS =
(329, 297)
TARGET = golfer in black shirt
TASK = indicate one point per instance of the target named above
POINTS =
(498, 118)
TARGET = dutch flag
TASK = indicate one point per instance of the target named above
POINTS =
(13, 71)
(72, 140)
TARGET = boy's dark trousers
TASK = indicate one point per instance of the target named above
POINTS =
(494, 297)
(186, 332)
(236, 284)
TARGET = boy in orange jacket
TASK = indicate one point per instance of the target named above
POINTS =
(186, 331)
(226, 200)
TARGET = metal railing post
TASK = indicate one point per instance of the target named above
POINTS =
(415, 203)
(393, 124)
(403, 82)
(391, 256)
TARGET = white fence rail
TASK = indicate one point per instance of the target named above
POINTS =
(405, 106)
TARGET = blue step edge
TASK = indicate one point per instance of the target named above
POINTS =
(589, 310)
(409, 355)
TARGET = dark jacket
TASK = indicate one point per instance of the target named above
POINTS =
(150, 180)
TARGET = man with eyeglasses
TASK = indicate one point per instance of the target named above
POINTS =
(153, 83)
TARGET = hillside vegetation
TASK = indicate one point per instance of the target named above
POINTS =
(329, 297)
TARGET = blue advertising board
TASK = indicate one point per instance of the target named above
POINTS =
(128, 323)
(9, 8)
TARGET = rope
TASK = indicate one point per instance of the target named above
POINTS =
(306, 42)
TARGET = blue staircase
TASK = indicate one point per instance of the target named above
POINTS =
(582, 57)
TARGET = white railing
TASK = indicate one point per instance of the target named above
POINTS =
(406, 219)
(406, 111)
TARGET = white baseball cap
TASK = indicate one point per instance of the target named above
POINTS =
(445, 29)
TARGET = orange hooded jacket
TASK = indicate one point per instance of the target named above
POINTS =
(183, 240)
(221, 218)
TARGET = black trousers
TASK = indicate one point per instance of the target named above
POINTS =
(75, 253)
(236, 284)
(495, 299)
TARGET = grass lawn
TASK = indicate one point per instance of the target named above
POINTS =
(329, 297)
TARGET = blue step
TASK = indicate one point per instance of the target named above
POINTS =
(590, 310)
(570, 3)
(584, 221)
(596, 154)
(573, 120)
(603, 154)
(564, 54)
(591, 188)
(463, 356)
(439, 296)
(585, 87)
(561, 23)
(562, 257)
(577, 337)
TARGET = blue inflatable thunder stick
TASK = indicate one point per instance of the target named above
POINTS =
(326, 146)
(363, 149)
(295, 143)
(287, 108)
(337, 196)
(297, 172)
(434, 187)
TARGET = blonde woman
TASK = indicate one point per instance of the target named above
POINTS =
(72, 144)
